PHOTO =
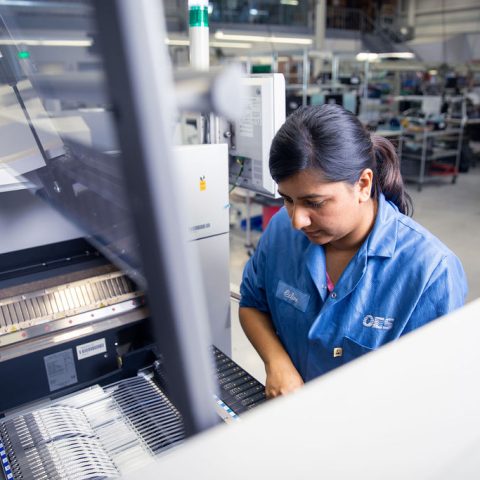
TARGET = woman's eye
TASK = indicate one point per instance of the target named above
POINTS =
(315, 204)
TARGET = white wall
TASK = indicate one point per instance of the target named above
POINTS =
(455, 50)
(445, 18)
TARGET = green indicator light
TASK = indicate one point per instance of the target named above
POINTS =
(198, 16)
(23, 55)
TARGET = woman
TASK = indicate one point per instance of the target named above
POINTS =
(342, 269)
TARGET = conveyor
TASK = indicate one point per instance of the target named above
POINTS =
(110, 431)
(73, 328)
(97, 433)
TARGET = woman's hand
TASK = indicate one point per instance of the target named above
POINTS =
(282, 378)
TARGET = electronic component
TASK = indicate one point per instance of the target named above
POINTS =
(238, 390)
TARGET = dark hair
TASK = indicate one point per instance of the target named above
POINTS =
(331, 139)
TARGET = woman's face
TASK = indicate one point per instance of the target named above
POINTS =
(326, 212)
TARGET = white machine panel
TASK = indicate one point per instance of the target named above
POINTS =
(26, 221)
(253, 133)
(204, 173)
(214, 255)
(409, 410)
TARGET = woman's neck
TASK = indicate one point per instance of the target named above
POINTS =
(354, 240)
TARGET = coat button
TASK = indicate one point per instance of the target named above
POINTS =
(333, 295)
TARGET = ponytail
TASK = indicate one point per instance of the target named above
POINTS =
(388, 179)
(332, 140)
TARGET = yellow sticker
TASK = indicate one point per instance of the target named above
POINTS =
(337, 352)
(203, 184)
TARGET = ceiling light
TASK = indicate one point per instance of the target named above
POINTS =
(366, 57)
(230, 44)
(403, 55)
(293, 3)
(263, 39)
(47, 43)
(180, 42)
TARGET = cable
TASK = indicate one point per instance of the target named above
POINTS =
(241, 162)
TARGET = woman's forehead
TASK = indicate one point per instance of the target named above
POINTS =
(308, 183)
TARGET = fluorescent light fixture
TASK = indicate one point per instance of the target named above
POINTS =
(293, 3)
(230, 44)
(253, 11)
(71, 335)
(47, 43)
(263, 39)
(366, 57)
(372, 57)
(433, 72)
(402, 55)
(180, 42)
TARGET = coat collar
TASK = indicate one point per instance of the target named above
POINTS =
(383, 238)
(381, 242)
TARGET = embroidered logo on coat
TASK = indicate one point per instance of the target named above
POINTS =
(293, 296)
(380, 323)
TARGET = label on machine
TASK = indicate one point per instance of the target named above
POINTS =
(90, 349)
(61, 370)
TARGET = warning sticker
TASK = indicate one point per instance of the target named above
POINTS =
(61, 370)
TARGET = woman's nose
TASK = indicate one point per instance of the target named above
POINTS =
(300, 218)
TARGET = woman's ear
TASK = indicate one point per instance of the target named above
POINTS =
(365, 184)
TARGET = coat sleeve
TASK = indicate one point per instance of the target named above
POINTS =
(252, 289)
(445, 291)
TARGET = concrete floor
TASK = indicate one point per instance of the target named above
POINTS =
(449, 211)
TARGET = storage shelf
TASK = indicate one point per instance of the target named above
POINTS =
(431, 145)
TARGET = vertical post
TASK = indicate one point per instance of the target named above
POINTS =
(248, 226)
(459, 149)
(200, 56)
(140, 85)
(423, 161)
(335, 61)
(199, 34)
(411, 13)
(366, 74)
(305, 76)
(397, 86)
(320, 29)
(275, 62)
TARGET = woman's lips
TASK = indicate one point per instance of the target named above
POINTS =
(313, 233)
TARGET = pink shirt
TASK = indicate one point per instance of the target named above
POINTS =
(330, 285)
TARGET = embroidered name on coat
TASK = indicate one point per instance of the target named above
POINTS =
(293, 296)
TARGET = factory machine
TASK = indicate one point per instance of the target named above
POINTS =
(109, 352)
(114, 302)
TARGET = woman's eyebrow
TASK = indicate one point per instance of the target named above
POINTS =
(311, 195)
(304, 197)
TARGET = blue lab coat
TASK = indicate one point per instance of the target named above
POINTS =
(401, 278)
